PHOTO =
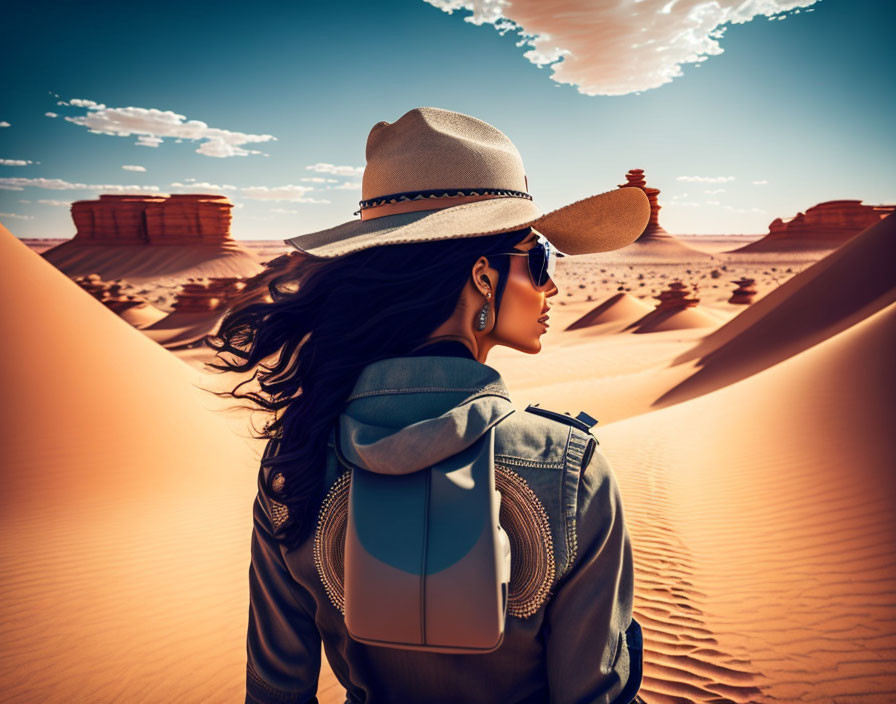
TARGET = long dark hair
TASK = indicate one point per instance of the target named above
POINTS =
(326, 321)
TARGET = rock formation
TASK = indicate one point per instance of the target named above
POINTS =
(140, 238)
(745, 291)
(675, 297)
(183, 218)
(635, 179)
(662, 245)
(205, 296)
(824, 226)
(675, 311)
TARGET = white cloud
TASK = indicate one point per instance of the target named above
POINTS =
(284, 211)
(348, 186)
(51, 114)
(295, 194)
(16, 216)
(760, 183)
(336, 170)
(15, 162)
(318, 179)
(713, 202)
(615, 48)
(89, 104)
(4, 123)
(57, 203)
(134, 167)
(713, 191)
(151, 126)
(56, 184)
(682, 203)
(202, 186)
(142, 140)
(705, 179)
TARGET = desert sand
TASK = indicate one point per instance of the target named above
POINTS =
(760, 500)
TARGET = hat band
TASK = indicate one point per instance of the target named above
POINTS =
(438, 199)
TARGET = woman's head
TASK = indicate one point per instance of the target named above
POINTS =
(514, 306)
(328, 319)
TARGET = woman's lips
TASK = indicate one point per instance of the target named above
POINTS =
(544, 321)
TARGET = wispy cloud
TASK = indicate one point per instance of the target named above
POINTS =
(15, 162)
(761, 182)
(51, 114)
(4, 123)
(134, 167)
(348, 186)
(705, 179)
(56, 203)
(714, 191)
(336, 170)
(151, 126)
(16, 216)
(57, 184)
(615, 48)
(318, 179)
(202, 186)
(295, 194)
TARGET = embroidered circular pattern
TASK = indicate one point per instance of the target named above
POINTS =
(522, 517)
(531, 548)
(329, 540)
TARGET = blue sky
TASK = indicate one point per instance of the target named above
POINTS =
(793, 111)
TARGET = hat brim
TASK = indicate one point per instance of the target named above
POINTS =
(599, 223)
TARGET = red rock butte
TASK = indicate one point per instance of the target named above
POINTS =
(144, 237)
(183, 218)
(824, 226)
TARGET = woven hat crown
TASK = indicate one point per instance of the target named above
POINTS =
(431, 148)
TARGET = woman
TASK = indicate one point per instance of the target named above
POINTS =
(387, 322)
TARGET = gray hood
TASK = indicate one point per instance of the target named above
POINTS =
(408, 413)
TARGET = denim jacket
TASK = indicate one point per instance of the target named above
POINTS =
(569, 636)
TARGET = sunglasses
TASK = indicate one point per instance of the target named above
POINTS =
(542, 261)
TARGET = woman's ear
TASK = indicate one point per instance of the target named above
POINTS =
(480, 273)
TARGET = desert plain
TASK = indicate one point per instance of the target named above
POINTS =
(753, 444)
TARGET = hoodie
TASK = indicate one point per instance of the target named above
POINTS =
(569, 636)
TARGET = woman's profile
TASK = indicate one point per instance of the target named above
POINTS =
(371, 357)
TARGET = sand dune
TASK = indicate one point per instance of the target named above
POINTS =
(126, 509)
(181, 329)
(621, 307)
(840, 289)
(658, 246)
(143, 315)
(761, 513)
(139, 263)
(762, 516)
(659, 320)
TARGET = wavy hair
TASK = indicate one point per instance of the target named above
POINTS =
(327, 320)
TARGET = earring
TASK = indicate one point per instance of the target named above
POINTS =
(483, 314)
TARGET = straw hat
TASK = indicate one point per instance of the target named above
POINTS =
(436, 174)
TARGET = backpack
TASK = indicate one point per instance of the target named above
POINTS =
(427, 563)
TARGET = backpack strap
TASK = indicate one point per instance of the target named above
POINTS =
(582, 421)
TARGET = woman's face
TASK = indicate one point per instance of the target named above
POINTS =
(522, 305)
